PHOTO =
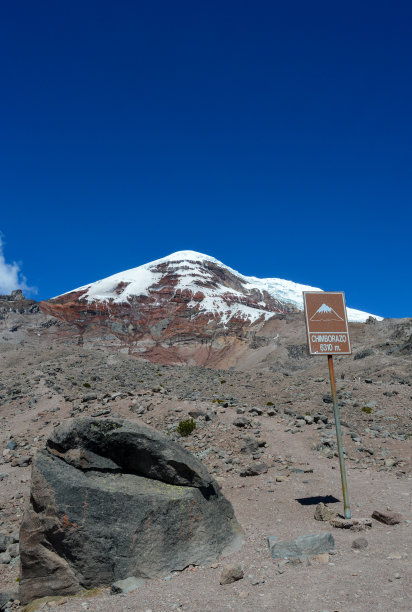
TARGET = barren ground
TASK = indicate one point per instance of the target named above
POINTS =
(41, 385)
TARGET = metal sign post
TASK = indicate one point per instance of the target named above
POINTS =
(346, 506)
(328, 333)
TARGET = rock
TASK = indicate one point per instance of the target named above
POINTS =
(127, 585)
(250, 445)
(355, 524)
(363, 449)
(254, 470)
(5, 541)
(5, 558)
(323, 513)
(13, 550)
(21, 462)
(363, 354)
(388, 517)
(360, 544)
(195, 414)
(327, 398)
(89, 397)
(231, 573)
(255, 411)
(302, 546)
(241, 421)
(110, 499)
(12, 445)
(101, 412)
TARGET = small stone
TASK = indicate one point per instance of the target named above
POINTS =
(13, 550)
(256, 411)
(5, 558)
(323, 513)
(241, 421)
(360, 544)
(322, 558)
(231, 573)
(254, 470)
(102, 412)
(243, 594)
(89, 397)
(5, 541)
(388, 517)
(281, 478)
(21, 462)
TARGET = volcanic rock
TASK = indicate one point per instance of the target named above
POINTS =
(387, 516)
(300, 547)
(323, 513)
(111, 499)
(231, 573)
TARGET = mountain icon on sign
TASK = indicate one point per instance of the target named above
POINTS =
(325, 313)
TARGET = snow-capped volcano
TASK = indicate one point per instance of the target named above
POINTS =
(214, 288)
(186, 307)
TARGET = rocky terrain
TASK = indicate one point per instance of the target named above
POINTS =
(264, 430)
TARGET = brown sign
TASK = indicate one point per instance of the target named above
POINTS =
(326, 323)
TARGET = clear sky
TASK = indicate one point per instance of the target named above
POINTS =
(275, 136)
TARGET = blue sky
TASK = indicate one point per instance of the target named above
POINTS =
(273, 136)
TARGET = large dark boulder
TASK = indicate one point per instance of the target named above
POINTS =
(112, 499)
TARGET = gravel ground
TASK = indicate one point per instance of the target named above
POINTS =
(41, 385)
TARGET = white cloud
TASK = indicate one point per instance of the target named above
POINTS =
(10, 275)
